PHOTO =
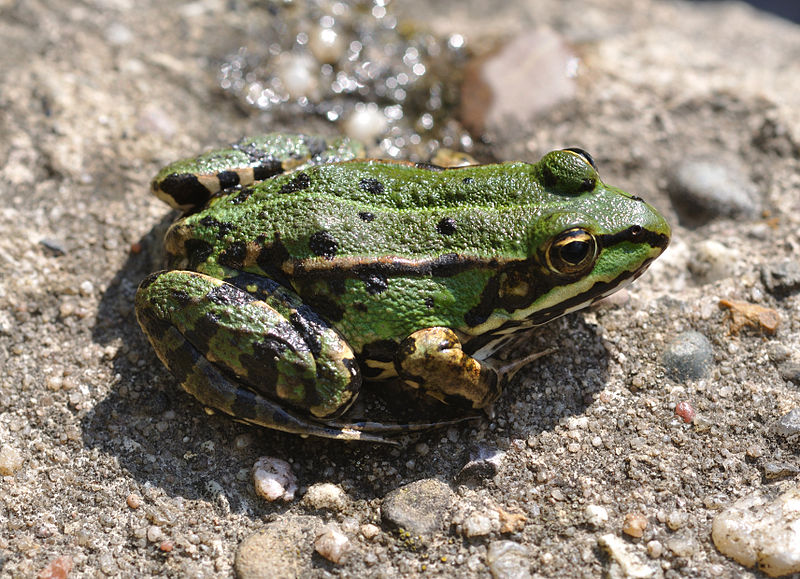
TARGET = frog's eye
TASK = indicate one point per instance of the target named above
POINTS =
(581, 153)
(568, 172)
(571, 251)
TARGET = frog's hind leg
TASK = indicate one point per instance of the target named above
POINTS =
(223, 344)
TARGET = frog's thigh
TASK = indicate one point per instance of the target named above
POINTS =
(432, 359)
(207, 331)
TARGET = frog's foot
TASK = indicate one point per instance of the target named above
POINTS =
(432, 360)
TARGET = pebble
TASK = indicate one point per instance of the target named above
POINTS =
(273, 479)
(366, 123)
(483, 465)
(154, 534)
(508, 560)
(688, 356)
(479, 524)
(685, 411)
(790, 371)
(370, 531)
(677, 519)
(747, 315)
(419, 508)
(758, 531)
(11, 460)
(781, 279)
(655, 549)
(298, 75)
(703, 190)
(683, 544)
(634, 525)
(58, 568)
(528, 76)
(596, 515)
(788, 426)
(713, 261)
(624, 562)
(332, 544)
(134, 501)
(282, 549)
(325, 496)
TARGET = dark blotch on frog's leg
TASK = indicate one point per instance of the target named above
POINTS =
(267, 169)
(366, 216)
(300, 182)
(467, 180)
(323, 244)
(197, 251)
(372, 186)
(429, 302)
(308, 330)
(185, 189)
(234, 256)
(227, 179)
(229, 295)
(446, 226)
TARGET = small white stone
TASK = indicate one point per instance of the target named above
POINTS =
(366, 123)
(325, 496)
(596, 515)
(478, 524)
(622, 555)
(756, 531)
(326, 44)
(10, 460)
(332, 544)
(273, 479)
(370, 531)
(297, 74)
(154, 534)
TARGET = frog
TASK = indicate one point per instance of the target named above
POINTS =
(299, 270)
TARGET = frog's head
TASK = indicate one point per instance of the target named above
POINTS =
(591, 240)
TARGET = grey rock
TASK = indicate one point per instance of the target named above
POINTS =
(419, 508)
(788, 426)
(781, 279)
(688, 356)
(703, 190)
(508, 560)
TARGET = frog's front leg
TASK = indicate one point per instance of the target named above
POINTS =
(250, 353)
(432, 360)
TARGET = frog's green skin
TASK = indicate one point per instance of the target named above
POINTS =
(284, 294)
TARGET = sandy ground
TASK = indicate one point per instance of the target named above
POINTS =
(111, 469)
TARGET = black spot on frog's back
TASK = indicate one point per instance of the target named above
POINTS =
(371, 185)
(446, 226)
(300, 182)
(323, 244)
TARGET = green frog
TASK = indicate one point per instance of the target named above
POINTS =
(300, 270)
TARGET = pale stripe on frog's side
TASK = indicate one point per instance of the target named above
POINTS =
(401, 265)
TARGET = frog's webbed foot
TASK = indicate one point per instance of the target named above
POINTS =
(432, 360)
